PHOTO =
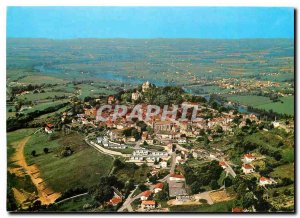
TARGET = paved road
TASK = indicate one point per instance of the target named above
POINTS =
(138, 143)
(179, 147)
(130, 199)
(228, 169)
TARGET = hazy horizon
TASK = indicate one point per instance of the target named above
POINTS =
(150, 22)
(154, 38)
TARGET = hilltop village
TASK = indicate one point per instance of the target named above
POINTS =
(188, 164)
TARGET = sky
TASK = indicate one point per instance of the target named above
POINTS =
(147, 22)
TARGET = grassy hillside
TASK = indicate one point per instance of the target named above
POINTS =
(83, 168)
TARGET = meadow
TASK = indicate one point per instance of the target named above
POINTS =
(14, 137)
(285, 105)
(83, 168)
(217, 207)
(284, 171)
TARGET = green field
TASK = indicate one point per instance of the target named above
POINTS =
(287, 107)
(83, 168)
(218, 207)
(284, 171)
(39, 79)
(15, 136)
(288, 154)
(73, 205)
(23, 183)
(261, 102)
(45, 105)
(42, 96)
(250, 100)
(270, 141)
(93, 90)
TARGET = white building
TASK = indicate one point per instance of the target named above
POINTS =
(145, 86)
(158, 187)
(249, 158)
(141, 152)
(148, 205)
(145, 195)
(135, 96)
(247, 168)
(182, 141)
(163, 164)
(266, 181)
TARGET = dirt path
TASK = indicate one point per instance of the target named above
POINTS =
(45, 194)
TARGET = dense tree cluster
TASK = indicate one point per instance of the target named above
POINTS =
(204, 175)
(104, 191)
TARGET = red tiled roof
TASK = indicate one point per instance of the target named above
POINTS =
(146, 193)
(49, 125)
(264, 179)
(222, 163)
(247, 166)
(159, 185)
(237, 209)
(148, 202)
(177, 176)
(249, 156)
(115, 200)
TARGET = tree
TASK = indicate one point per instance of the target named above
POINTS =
(66, 152)
(46, 150)
(248, 200)
(280, 144)
(248, 122)
(126, 97)
(196, 187)
(214, 105)
(206, 142)
(153, 179)
(142, 187)
(129, 185)
(277, 155)
(214, 184)
(103, 194)
(228, 182)
(163, 195)
(203, 201)
(35, 205)
(118, 164)
(33, 153)
(219, 129)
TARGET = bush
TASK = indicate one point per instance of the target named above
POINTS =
(214, 184)
(46, 150)
(33, 153)
(203, 201)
